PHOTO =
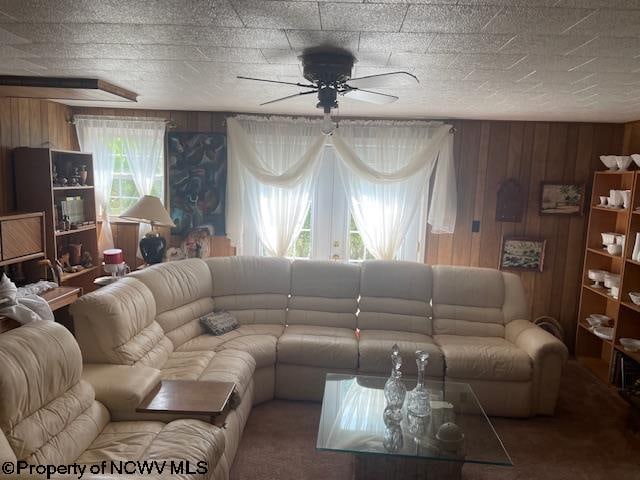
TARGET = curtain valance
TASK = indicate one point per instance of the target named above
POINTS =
(385, 170)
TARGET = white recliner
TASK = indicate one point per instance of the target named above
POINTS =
(49, 416)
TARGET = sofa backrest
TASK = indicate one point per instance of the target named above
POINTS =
(253, 289)
(47, 413)
(395, 296)
(117, 324)
(324, 293)
(475, 301)
(182, 291)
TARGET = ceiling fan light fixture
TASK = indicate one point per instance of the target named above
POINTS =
(328, 126)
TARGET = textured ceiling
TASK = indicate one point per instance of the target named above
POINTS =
(524, 59)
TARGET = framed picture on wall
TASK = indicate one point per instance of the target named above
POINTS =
(522, 254)
(197, 181)
(561, 198)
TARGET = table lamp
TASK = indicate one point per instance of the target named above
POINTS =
(150, 210)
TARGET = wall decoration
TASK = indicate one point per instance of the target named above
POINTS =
(561, 198)
(510, 203)
(522, 253)
(197, 181)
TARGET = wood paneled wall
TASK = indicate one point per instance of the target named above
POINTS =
(30, 123)
(487, 153)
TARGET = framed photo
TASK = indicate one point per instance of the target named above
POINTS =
(522, 253)
(197, 181)
(561, 198)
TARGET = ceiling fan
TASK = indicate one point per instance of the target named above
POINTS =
(328, 72)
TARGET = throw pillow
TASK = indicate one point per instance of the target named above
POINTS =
(219, 323)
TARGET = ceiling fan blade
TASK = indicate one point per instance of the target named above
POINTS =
(288, 97)
(370, 97)
(393, 79)
(276, 81)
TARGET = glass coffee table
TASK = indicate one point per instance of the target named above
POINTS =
(457, 431)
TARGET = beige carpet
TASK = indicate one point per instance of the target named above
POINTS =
(586, 440)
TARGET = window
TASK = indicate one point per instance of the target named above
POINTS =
(329, 231)
(123, 189)
(357, 251)
(302, 246)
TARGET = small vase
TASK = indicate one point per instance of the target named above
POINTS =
(394, 389)
(636, 249)
(83, 175)
(418, 398)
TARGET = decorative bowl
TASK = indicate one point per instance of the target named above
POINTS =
(636, 158)
(623, 162)
(608, 238)
(605, 333)
(609, 162)
(597, 320)
(597, 276)
(635, 297)
(614, 249)
(630, 344)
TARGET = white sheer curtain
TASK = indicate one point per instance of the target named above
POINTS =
(271, 178)
(97, 135)
(143, 144)
(386, 168)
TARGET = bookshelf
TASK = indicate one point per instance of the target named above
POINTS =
(597, 354)
(70, 197)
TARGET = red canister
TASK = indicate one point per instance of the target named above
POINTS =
(113, 256)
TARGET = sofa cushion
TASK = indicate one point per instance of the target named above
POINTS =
(253, 289)
(190, 440)
(374, 347)
(224, 366)
(259, 340)
(116, 324)
(486, 358)
(468, 301)
(316, 346)
(324, 294)
(395, 296)
(182, 291)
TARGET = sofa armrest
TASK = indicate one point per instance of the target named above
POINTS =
(548, 355)
(120, 388)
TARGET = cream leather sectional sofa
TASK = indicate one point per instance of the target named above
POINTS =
(302, 319)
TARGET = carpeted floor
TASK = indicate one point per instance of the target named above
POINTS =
(586, 440)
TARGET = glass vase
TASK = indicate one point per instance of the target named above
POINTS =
(418, 399)
(394, 389)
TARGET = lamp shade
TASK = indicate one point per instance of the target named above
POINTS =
(149, 210)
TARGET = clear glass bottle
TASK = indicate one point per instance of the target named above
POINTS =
(418, 399)
(394, 389)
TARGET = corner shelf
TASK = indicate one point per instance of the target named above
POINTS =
(595, 353)
(33, 170)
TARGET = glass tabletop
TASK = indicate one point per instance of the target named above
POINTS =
(352, 421)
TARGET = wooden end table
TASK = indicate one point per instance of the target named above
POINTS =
(188, 397)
